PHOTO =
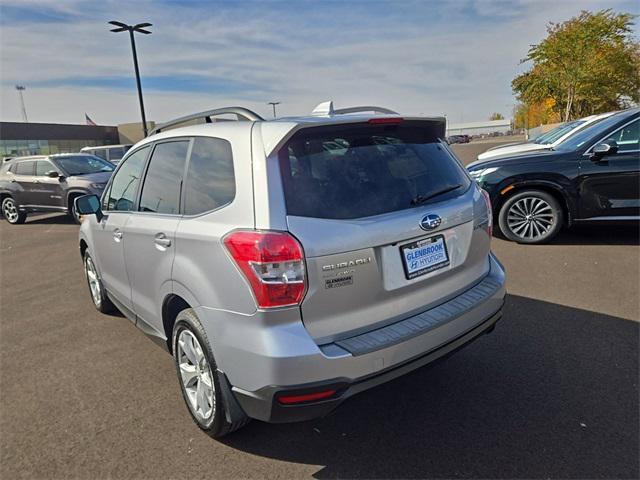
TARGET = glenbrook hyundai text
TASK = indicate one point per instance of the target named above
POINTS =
(292, 263)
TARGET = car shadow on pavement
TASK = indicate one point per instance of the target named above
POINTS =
(599, 235)
(551, 393)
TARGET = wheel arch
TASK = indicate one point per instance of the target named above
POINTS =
(72, 194)
(551, 188)
(172, 305)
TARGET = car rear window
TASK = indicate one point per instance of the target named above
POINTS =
(360, 170)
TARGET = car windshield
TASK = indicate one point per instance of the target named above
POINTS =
(582, 138)
(82, 164)
(554, 134)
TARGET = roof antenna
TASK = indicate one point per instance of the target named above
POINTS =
(324, 109)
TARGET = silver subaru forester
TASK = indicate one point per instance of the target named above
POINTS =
(289, 264)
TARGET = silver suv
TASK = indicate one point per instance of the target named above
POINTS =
(289, 264)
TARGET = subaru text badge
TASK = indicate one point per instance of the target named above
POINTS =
(429, 222)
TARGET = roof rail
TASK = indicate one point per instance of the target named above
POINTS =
(240, 112)
(342, 111)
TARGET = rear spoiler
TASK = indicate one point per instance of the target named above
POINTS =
(276, 134)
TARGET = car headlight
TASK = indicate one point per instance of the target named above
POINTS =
(477, 174)
(98, 186)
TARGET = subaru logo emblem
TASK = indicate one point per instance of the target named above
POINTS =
(429, 222)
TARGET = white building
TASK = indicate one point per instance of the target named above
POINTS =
(479, 128)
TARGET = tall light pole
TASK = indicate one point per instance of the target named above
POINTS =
(273, 104)
(20, 89)
(140, 28)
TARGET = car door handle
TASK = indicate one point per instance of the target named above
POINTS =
(117, 235)
(162, 240)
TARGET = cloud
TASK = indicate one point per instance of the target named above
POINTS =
(454, 57)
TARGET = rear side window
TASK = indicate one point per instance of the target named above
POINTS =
(25, 168)
(124, 186)
(356, 171)
(210, 179)
(161, 189)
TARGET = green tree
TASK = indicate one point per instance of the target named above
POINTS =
(496, 116)
(588, 64)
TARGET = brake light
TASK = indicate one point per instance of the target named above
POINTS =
(487, 200)
(272, 262)
(385, 121)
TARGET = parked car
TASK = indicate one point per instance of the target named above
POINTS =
(112, 153)
(286, 274)
(49, 183)
(545, 141)
(591, 177)
(458, 139)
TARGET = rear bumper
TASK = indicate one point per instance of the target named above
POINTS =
(263, 404)
(263, 362)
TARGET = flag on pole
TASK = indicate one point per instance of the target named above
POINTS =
(89, 121)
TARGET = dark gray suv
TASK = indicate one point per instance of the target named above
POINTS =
(49, 183)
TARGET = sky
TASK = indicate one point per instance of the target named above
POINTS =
(433, 57)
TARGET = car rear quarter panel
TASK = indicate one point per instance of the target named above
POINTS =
(203, 271)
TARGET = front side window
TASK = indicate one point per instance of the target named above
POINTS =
(124, 186)
(82, 164)
(161, 189)
(627, 138)
(210, 180)
(43, 167)
(378, 169)
(25, 168)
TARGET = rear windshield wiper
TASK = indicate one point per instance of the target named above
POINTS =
(420, 199)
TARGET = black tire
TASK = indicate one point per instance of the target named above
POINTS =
(102, 302)
(11, 212)
(226, 415)
(531, 217)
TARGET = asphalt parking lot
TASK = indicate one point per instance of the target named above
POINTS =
(551, 393)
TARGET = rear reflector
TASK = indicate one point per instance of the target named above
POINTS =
(308, 397)
(273, 264)
(385, 121)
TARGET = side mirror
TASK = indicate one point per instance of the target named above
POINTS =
(602, 149)
(53, 174)
(88, 205)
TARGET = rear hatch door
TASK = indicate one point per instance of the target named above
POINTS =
(388, 219)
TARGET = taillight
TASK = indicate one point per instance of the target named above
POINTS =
(272, 262)
(487, 200)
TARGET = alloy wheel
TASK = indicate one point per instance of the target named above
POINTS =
(530, 218)
(94, 282)
(196, 376)
(10, 210)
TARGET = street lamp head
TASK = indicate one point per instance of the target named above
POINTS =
(122, 27)
(20, 87)
(141, 28)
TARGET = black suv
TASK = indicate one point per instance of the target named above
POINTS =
(591, 177)
(49, 183)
